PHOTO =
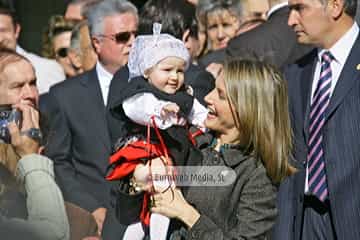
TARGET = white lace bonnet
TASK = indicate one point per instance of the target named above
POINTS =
(148, 50)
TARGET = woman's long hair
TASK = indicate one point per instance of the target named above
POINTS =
(258, 96)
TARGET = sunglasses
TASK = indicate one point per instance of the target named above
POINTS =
(62, 52)
(121, 37)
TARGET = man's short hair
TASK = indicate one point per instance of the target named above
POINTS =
(8, 56)
(349, 6)
(98, 11)
(176, 16)
(7, 8)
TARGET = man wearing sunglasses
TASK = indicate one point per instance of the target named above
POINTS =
(80, 144)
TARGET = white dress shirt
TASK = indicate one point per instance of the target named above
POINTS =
(104, 80)
(276, 7)
(340, 51)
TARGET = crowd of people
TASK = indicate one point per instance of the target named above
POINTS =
(99, 135)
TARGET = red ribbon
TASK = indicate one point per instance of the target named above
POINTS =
(125, 160)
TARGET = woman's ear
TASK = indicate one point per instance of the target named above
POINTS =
(185, 36)
(146, 73)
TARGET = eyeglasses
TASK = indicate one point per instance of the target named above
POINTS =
(121, 37)
(62, 52)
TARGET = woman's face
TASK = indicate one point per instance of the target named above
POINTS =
(221, 27)
(220, 118)
(61, 44)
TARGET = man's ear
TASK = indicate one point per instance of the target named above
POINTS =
(17, 30)
(96, 44)
(336, 7)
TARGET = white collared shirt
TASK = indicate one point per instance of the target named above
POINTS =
(104, 80)
(276, 7)
(340, 51)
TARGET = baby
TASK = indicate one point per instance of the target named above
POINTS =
(155, 98)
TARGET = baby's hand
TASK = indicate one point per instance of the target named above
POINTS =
(169, 109)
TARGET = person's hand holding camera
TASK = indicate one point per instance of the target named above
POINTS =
(21, 138)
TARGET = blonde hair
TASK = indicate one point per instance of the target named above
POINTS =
(57, 25)
(258, 96)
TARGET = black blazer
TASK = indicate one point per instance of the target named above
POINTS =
(341, 146)
(79, 142)
(273, 41)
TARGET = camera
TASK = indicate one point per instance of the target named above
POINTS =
(7, 115)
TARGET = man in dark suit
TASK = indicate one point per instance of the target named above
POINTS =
(79, 141)
(273, 40)
(324, 98)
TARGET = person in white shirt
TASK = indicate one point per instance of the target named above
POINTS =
(48, 72)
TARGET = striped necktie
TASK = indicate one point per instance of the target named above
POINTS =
(317, 181)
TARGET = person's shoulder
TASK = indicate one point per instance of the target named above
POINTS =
(196, 72)
(122, 74)
(73, 83)
(253, 168)
(66, 94)
(268, 32)
(301, 63)
(217, 56)
(45, 63)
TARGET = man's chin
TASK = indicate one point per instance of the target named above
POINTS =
(301, 38)
(7, 45)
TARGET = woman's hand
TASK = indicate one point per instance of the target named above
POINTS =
(172, 204)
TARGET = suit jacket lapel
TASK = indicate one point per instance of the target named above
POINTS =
(306, 83)
(96, 106)
(347, 78)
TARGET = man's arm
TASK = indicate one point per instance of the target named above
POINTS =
(45, 204)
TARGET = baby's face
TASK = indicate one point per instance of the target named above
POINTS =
(167, 75)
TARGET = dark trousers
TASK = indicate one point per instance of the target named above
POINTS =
(112, 229)
(317, 221)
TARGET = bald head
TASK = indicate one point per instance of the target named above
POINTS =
(9, 56)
